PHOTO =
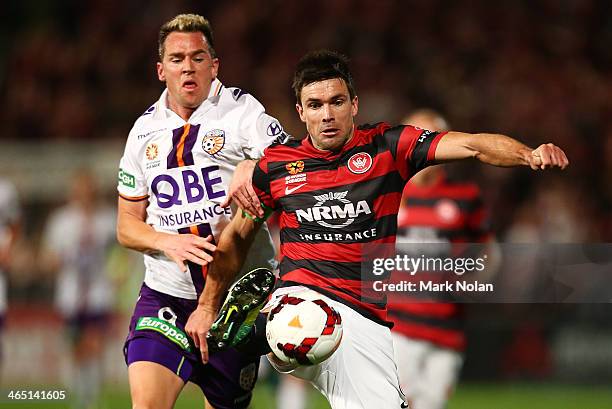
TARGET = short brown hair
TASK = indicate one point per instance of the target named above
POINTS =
(319, 66)
(186, 23)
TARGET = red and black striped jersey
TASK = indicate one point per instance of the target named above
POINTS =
(445, 211)
(332, 203)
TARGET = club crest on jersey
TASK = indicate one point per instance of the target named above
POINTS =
(360, 163)
(152, 151)
(295, 167)
(213, 141)
(447, 211)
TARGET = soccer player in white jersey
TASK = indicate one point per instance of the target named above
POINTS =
(76, 244)
(174, 176)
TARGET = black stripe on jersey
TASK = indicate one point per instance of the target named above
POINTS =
(261, 180)
(418, 158)
(330, 269)
(392, 138)
(278, 169)
(385, 226)
(466, 205)
(456, 324)
(390, 183)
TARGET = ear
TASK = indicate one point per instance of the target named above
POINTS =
(160, 72)
(354, 106)
(215, 67)
(300, 110)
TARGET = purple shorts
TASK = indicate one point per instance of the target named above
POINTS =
(157, 334)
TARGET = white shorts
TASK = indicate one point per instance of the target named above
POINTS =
(361, 374)
(428, 373)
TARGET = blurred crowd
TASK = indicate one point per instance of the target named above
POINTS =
(539, 71)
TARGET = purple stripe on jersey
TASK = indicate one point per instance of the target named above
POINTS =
(198, 273)
(176, 138)
(189, 143)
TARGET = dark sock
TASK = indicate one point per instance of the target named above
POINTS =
(256, 344)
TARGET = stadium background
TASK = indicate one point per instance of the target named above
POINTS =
(75, 75)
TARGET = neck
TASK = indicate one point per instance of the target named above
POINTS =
(183, 112)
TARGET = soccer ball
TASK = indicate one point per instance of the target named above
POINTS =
(303, 329)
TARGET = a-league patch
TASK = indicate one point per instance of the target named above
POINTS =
(360, 163)
(247, 376)
(152, 151)
(166, 329)
(213, 141)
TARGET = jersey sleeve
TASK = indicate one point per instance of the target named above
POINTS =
(261, 184)
(259, 130)
(131, 183)
(413, 148)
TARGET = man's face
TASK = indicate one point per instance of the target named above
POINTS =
(327, 110)
(187, 68)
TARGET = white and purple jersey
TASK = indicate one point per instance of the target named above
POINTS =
(184, 168)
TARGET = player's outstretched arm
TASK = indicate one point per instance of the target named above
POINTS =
(498, 150)
(234, 243)
(134, 233)
(241, 189)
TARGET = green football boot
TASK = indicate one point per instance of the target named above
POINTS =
(244, 300)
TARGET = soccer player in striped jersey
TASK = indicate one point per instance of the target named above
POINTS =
(174, 179)
(428, 337)
(337, 190)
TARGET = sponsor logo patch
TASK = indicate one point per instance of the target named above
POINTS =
(295, 167)
(289, 190)
(152, 151)
(126, 179)
(334, 216)
(425, 135)
(274, 129)
(213, 141)
(360, 163)
(166, 329)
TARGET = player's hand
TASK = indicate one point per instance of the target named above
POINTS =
(547, 156)
(197, 327)
(241, 189)
(182, 248)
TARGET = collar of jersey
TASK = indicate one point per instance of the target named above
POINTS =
(307, 144)
(164, 112)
